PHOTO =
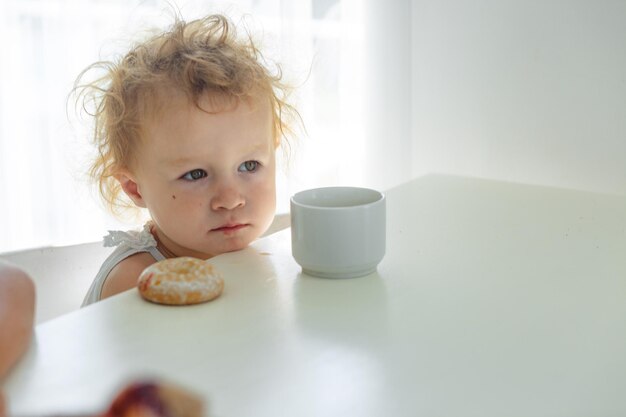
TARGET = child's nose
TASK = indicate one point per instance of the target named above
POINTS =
(227, 198)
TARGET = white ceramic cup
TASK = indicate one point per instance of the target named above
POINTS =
(338, 232)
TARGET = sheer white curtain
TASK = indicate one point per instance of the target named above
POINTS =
(335, 50)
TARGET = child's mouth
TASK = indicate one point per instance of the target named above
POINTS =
(229, 228)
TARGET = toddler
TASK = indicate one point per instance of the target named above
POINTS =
(187, 125)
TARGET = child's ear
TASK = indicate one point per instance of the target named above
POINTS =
(130, 187)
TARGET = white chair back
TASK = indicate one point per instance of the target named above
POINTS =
(62, 275)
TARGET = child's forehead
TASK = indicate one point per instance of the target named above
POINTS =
(179, 116)
(158, 104)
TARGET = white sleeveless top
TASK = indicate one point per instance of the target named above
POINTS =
(128, 243)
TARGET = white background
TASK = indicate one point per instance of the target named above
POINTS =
(524, 91)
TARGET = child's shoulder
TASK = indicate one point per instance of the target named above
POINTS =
(124, 275)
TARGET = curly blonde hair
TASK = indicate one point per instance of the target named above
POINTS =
(195, 58)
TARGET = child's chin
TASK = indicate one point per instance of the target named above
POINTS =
(235, 245)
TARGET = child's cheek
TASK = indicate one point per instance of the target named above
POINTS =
(191, 203)
(180, 201)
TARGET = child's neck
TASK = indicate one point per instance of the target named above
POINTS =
(161, 246)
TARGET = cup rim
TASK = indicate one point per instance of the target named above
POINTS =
(379, 199)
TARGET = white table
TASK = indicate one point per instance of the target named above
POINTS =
(494, 299)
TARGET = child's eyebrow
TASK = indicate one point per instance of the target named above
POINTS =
(177, 161)
(259, 147)
(184, 160)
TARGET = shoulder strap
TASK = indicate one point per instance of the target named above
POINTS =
(119, 254)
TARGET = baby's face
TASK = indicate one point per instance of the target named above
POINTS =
(208, 180)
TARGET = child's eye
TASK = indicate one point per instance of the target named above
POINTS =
(194, 175)
(249, 166)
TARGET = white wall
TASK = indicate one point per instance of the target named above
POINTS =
(527, 91)
(387, 96)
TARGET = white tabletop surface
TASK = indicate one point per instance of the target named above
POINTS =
(494, 299)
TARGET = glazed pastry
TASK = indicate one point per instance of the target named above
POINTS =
(153, 399)
(180, 281)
